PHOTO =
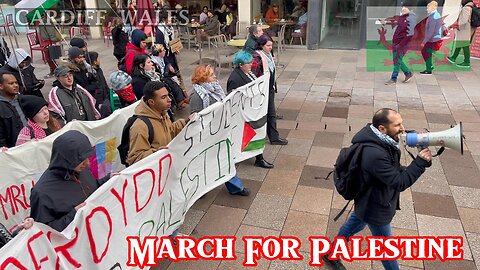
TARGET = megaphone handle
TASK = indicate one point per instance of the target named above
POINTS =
(439, 152)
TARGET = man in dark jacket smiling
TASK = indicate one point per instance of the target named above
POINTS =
(66, 184)
(385, 176)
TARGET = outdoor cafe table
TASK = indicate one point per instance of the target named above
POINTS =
(236, 42)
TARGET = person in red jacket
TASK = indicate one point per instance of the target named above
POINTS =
(401, 39)
(136, 46)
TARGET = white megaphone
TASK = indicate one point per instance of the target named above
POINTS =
(450, 138)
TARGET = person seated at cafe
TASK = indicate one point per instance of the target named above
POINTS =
(210, 29)
(298, 11)
(203, 15)
(229, 28)
(273, 14)
(301, 21)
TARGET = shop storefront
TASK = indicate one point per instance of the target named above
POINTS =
(350, 24)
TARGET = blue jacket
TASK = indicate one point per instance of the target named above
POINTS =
(433, 27)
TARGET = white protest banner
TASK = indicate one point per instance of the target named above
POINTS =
(21, 166)
(149, 198)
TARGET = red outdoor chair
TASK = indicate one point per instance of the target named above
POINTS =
(107, 32)
(10, 23)
(300, 35)
(35, 45)
(83, 27)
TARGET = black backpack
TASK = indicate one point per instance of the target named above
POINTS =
(125, 143)
(122, 64)
(475, 19)
(347, 175)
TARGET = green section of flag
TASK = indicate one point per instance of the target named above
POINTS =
(255, 145)
(36, 13)
(379, 59)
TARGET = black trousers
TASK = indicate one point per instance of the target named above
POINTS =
(272, 131)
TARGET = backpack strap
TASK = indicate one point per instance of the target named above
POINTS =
(343, 211)
(147, 122)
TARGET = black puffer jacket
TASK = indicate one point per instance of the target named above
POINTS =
(381, 168)
(10, 123)
(60, 189)
(120, 40)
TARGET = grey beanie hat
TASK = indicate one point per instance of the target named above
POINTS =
(74, 52)
(119, 80)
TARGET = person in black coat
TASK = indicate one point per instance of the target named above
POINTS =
(241, 75)
(119, 38)
(21, 62)
(164, 35)
(105, 108)
(84, 75)
(66, 184)
(12, 118)
(385, 177)
(143, 71)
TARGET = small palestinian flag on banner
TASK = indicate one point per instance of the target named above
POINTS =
(252, 140)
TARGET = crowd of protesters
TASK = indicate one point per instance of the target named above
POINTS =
(148, 74)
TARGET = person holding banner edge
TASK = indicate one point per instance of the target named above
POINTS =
(207, 91)
(67, 183)
(154, 105)
(241, 75)
(263, 63)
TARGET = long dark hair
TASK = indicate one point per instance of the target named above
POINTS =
(261, 41)
(139, 60)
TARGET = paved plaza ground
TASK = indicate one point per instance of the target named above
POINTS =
(290, 200)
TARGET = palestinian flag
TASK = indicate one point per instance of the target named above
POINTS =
(253, 137)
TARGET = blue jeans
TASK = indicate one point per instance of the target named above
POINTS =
(234, 185)
(355, 225)
(398, 65)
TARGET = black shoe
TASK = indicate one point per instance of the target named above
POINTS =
(244, 192)
(279, 116)
(426, 72)
(262, 163)
(334, 264)
(279, 141)
(464, 65)
(451, 60)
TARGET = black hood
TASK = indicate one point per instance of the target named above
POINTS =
(366, 135)
(69, 150)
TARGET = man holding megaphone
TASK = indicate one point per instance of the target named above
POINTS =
(382, 176)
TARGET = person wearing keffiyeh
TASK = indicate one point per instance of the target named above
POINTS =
(207, 91)
(262, 63)
(383, 177)
(241, 75)
(39, 123)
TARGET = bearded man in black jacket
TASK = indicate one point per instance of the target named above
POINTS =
(385, 177)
